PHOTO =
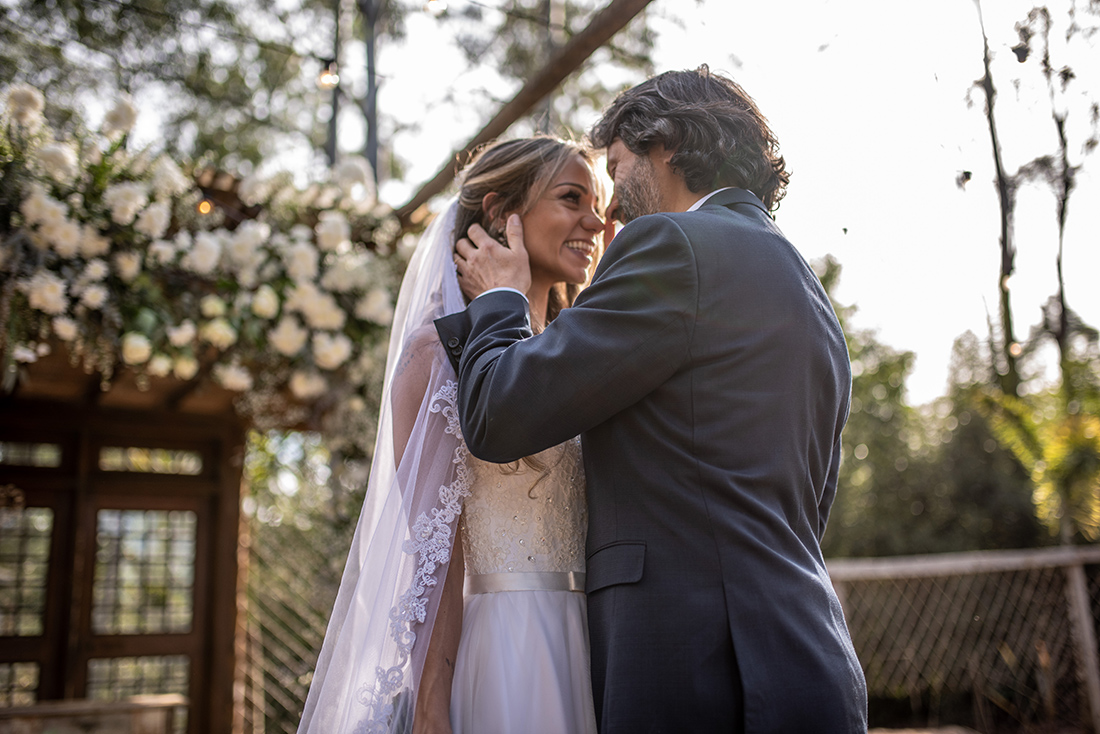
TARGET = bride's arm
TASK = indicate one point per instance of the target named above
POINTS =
(433, 701)
(421, 355)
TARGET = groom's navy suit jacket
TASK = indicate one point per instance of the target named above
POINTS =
(708, 377)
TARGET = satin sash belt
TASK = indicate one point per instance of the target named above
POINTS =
(488, 583)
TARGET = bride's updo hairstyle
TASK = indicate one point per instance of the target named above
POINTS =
(519, 172)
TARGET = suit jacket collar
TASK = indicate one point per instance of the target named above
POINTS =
(732, 197)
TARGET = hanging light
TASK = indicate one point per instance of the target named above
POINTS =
(436, 7)
(328, 78)
(205, 206)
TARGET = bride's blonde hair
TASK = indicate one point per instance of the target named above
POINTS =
(519, 173)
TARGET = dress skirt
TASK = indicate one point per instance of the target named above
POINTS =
(523, 665)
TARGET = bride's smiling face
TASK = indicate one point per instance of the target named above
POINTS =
(561, 230)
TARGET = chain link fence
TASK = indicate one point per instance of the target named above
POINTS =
(1010, 634)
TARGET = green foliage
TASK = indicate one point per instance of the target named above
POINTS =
(1055, 432)
(232, 80)
(918, 480)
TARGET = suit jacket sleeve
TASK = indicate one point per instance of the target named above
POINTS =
(627, 333)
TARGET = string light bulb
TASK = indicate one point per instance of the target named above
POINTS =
(436, 7)
(328, 78)
(205, 206)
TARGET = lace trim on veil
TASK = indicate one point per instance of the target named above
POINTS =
(431, 539)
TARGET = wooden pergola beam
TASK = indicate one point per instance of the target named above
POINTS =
(606, 24)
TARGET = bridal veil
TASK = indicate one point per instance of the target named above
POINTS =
(369, 667)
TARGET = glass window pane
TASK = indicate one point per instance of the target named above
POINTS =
(24, 566)
(113, 679)
(18, 453)
(143, 585)
(18, 684)
(150, 461)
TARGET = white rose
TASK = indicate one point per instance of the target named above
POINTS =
(330, 350)
(319, 308)
(92, 243)
(162, 252)
(41, 208)
(233, 377)
(375, 306)
(323, 198)
(204, 254)
(353, 176)
(94, 296)
(332, 230)
(253, 190)
(182, 335)
(136, 348)
(159, 366)
(218, 332)
(347, 274)
(212, 306)
(42, 349)
(128, 265)
(168, 179)
(265, 303)
(301, 233)
(288, 337)
(59, 160)
(301, 261)
(125, 200)
(64, 236)
(247, 278)
(94, 271)
(23, 353)
(46, 292)
(25, 104)
(65, 328)
(154, 221)
(251, 234)
(121, 118)
(185, 367)
(306, 385)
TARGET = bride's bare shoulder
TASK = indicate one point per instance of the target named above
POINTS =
(420, 350)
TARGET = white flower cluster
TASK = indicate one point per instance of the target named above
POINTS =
(307, 295)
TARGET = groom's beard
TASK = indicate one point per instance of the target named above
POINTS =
(639, 194)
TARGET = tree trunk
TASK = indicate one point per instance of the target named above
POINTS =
(369, 10)
(1009, 379)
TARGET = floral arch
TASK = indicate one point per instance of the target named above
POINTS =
(156, 311)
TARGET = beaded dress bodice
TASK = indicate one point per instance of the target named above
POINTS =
(519, 518)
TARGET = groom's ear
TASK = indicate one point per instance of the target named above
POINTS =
(659, 153)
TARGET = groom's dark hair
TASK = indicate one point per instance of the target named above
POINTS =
(715, 128)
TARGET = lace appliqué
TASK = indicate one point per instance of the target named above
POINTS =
(431, 540)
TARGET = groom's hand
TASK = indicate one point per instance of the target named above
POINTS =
(483, 263)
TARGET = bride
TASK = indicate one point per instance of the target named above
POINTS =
(461, 607)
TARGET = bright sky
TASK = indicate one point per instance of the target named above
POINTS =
(870, 104)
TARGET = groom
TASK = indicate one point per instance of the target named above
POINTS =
(708, 377)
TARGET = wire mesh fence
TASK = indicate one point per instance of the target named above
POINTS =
(290, 587)
(1010, 632)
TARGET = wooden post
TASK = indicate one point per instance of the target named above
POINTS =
(1084, 635)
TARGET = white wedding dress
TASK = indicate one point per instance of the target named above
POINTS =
(523, 663)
